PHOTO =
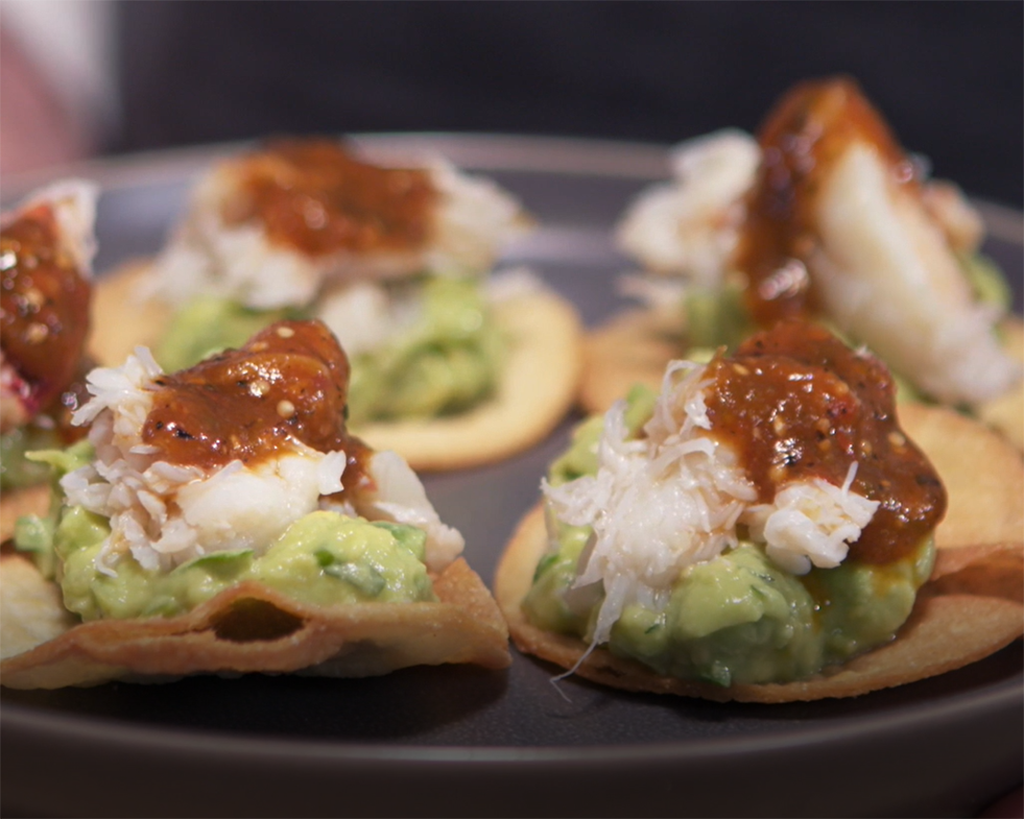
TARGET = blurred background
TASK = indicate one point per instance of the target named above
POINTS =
(103, 77)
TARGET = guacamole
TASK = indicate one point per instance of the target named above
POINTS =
(445, 362)
(324, 558)
(737, 618)
(16, 471)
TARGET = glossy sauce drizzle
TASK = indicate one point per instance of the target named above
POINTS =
(288, 383)
(796, 403)
(44, 308)
(800, 140)
(314, 196)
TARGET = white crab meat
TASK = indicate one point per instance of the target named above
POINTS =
(365, 315)
(675, 497)
(473, 221)
(74, 206)
(690, 227)
(165, 514)
(887, 275)
(400, 497)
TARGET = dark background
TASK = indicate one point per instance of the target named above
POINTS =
(947, 75)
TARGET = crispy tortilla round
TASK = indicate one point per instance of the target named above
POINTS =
(983, 474)
(1006, 413)
(248, 628)
(32, 500)
(631, 348)
(121, 319)
(537, 388)
(949, 627)
(972, 606)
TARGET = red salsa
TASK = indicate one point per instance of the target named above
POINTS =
(314, 196)
(800, 140)
(288, 383)
(796, 403)
(44, 311)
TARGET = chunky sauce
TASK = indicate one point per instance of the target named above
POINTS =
(313, 196)
(800, 140)
(44, 309)
(288, 383)
(796, 403)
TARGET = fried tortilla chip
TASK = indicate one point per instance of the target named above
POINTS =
(248, 628)
(983, 474)
(537, 387)
(250, 625)
(32, 500)
(972, 606)
(31, 609)
(121, 320)
(631, 348)
(1006, 413)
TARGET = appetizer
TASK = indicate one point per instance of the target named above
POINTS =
(764, 529)
(222, 520)
(822, 216)
(450, 366)
(46, 250)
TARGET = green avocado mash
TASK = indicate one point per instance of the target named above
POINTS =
(208, 325)
(987, 280)
(446, 362)
(324, 558)
(738, 618)
(17, 471)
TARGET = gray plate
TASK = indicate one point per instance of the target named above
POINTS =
(451, 741)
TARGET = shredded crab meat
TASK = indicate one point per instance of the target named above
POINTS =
(366, 315)
(166, 514)
(886, 273)
(675, 496)
(885, 266)
(663, 296)
(690, 227)
(401, 498)
(810, 523)
(74, 207)
(476, 220)
(473, 221)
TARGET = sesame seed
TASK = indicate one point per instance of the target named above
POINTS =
(286, 409)
(259, 387)
(285, 332)
(36, 333)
